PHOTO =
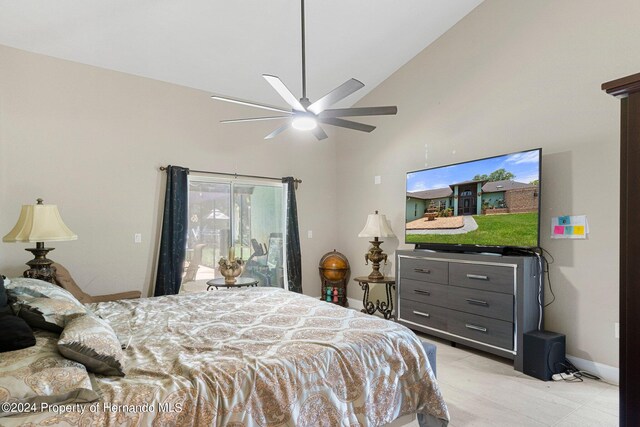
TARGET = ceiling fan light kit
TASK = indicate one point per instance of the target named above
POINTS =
(307, 116)
(304, 122)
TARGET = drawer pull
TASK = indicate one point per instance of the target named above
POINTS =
(474, 327)
(418, 291)
(477, 302)
(477, 277)
(422, 270)
(419, 313)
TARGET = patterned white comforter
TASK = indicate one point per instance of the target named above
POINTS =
(256, 357)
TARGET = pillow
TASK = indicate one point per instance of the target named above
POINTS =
(4, 303)
(42, 304)
(37, 288)
(3, 295)
(92, 342)
(16, 334)
(39, 374)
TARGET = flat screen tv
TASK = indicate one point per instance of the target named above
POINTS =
(486, 205)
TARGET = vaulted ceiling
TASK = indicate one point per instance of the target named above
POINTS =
(224, 46)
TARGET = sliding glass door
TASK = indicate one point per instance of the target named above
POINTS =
(246, 215)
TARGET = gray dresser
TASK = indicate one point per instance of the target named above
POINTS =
(483, 301)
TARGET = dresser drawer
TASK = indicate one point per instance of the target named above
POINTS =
(484, 303)
(479, 276)
(426, 292)
(425, 270)
(484, 329)
(424, 314)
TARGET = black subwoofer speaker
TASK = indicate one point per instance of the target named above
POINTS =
(544, 354)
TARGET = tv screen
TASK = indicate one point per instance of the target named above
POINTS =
(491, 202)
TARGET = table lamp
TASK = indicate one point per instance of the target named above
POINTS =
(40, 223)
(376, 226)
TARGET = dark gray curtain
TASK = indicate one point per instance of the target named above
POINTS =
(294, 260)
(173, 241)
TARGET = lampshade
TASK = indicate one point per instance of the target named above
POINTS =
(376, 226)
(40, 223)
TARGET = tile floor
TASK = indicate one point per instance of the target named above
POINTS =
(484, 390)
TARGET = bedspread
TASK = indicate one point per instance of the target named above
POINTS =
(256, 357)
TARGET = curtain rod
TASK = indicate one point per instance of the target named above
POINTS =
(236, 175)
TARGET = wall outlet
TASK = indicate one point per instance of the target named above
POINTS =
(137, 238)
(616, 330)
(377, 179)
(309, 234)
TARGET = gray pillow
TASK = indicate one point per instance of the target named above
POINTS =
(42, 304)
(92, 342)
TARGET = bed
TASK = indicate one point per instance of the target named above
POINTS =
(249, 357)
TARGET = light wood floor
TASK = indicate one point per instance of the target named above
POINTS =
(484, 390)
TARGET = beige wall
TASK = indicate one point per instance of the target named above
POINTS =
(512, 75)
(91, 141)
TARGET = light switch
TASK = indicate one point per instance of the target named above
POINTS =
(309, 234)
(137, 238)
(377, 179)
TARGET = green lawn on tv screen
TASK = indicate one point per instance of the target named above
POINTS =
(520, 229)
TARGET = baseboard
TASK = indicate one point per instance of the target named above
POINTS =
(354, 303)
(606, 372)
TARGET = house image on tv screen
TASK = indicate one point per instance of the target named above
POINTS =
(475, 197)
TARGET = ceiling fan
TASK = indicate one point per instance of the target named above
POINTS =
(305, 115)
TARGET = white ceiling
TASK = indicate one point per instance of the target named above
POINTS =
(224, 46)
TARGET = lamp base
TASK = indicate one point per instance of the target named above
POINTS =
(375, 255)
(40, 265)
(376, 275)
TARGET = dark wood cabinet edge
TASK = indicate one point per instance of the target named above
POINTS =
(628, 88)
(622, 87)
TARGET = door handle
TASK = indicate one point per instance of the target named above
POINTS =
(419, 313)
(422, 270)
(418, 291)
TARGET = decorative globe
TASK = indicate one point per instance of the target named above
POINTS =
(334, 266)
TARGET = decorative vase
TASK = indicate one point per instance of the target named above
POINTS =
(230, 269)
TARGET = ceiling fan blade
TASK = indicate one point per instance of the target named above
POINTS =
(250, 104)
(319, 133)
(347, 124)
(284, 92)
(254, 119)
(339, 93)
(361, 111)
(277, 131)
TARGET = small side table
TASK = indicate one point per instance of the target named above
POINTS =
(384, 307)
(240, 282)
